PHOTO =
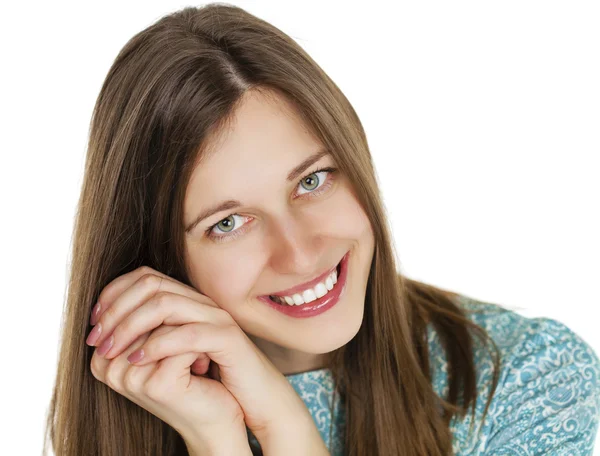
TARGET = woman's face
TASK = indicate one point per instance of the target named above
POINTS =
(284, 233)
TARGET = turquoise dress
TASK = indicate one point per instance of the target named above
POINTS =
(547, 401)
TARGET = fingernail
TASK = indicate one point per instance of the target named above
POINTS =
(105, 346)
(94, 335)
(136, 356)
(95, 313)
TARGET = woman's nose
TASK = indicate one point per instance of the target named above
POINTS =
(295, 249)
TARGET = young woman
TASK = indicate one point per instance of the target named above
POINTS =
(233, 276)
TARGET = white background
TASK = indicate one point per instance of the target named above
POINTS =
(483, 119)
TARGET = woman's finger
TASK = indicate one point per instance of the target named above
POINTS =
(111, 372)
(201, 365)
(172, 383)
(164, 308)
(119, 374)
(148, 281)
(168, 389)
(199, 337)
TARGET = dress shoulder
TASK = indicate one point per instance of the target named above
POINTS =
(548, 396)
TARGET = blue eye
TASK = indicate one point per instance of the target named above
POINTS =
(228, 223)
(310, 182)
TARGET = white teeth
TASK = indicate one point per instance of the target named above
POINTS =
(320, 290)
(329, 283)
(311, 294)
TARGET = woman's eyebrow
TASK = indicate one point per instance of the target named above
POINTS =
(306, 163)
(232, 204)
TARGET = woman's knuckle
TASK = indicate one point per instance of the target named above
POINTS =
(94, 368)
(110, 378)
(109, 314)
(131, 381)
(145, 269)
(150, 281)
(154, 389)
(162, 299)
(125, 327)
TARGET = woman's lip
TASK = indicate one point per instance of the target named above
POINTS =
(319, 305)
(305, 286)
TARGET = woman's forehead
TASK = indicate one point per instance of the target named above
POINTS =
(263, 143)
(263, 134)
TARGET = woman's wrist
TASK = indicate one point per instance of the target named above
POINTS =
(223, 446)
(231, 441)
(297, 436)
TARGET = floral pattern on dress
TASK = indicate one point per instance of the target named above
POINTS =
(547, 401)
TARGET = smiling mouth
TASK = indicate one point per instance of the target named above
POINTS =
(310, 294)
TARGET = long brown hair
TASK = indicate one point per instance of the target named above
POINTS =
(170, 90)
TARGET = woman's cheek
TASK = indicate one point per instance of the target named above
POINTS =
(342, 217)
(228, 279)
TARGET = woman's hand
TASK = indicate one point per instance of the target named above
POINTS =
(165, 389)
(188, 330)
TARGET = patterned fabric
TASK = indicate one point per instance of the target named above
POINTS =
(547, 401)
